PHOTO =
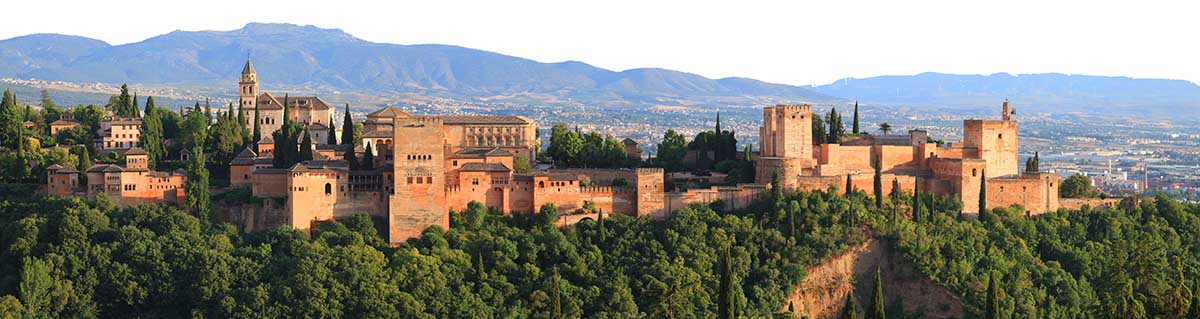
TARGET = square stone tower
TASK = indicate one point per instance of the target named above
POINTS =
(787, 131)
(419, 197)
(996, 142)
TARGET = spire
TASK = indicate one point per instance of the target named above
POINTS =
(718, 122)
(249, 68)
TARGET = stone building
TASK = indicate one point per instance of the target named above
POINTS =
(127, 185)
(65, 122)
(311, 111)
(988, 150)
(118, 134)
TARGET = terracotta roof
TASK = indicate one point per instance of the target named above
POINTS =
(628, 141)
(54, 167)
(484, 119)
(136, 151)
(67, 170)
(266, 101)
(123, 121)
(480, 153)
(247, 153)
(378, 133)
(309, 102)
(389, 111)
(484, 167)
(246, 157)
(64, 122)
(104, 168)
(266, 139)
(317, 126)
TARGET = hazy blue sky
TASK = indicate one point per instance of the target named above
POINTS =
(794, 42)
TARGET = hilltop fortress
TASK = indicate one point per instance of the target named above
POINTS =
(988, 151)
(425, 166)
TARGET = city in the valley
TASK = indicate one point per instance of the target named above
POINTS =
(413, 170)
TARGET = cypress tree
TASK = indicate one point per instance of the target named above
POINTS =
(982, 192)
(878, 186)
(848, 310)
(916, 206)
(855, 117)
(877, 308)
(151, 138)
(331, 139)
(836, 130)
(306, 147)
(196, 187)
(992, 309)
(725, 288)
(348, 128)
(555, 297)
(368, 158)
(479, 271)
(1037, 163)
(208, 110)
(849, 186)
(134, 106)
(349, 157)
(818, 130)
(85, 162)
(257, 130)
(600, 226)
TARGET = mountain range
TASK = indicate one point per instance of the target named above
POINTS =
(1051, 92)
(318, 59)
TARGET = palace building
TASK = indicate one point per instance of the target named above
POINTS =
(988, 151)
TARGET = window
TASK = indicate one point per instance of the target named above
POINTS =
(541, 184)
(974, 172)
(429, 180)
(1000, 136)
(420, 180)
(410, 181)
(455, 163)
(328, 189)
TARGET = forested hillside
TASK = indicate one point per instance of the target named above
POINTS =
(71, 258)
(1140, 260)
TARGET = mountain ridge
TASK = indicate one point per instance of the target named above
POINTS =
(287, 54)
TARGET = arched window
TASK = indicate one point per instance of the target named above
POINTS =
(328, 189)
(542, 184)
(974, 172)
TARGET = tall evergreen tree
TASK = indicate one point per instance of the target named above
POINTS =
(855, 129)
(878, 185)
(348, 128)
(1037, 163)
(349, 156)
(555, 297)
(818, 130)
(849, 186)
(331, 138)
(196, 187)
(849, 311)
(917, 206)
(151, 138)
(10, 120)
(368, 158)
(84, 163)
(208, 110)
(602, 232)
(306, 147)
(836, 129)
(257, 122)
(725, 288)
(877, 308)
(134, 105)
(982, 192)
(992, 308)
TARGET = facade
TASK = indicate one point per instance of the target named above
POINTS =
(64, 122)
(118, 134)
(128, 185)
(308, 110)
(988, 151)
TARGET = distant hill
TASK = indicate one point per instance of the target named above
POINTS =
(308, 56)
(1051, 92)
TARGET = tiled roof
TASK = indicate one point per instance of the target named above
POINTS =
(136, 151)
(249, 68)
(64, 122)
(104, 168)
(317, 126)
(266, 139)
(484, 119)
(267, 101)
(378, 133)
(628, 141)
(480, 153)
(123, 121)
(389, 111)
(484, 167)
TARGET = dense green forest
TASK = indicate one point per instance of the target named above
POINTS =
(1138, 260)
(66, 257)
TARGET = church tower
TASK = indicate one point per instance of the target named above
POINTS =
(248, 91)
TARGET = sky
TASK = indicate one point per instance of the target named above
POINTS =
(791, 42)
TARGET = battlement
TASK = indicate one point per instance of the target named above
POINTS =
(650, 170)
(794, 107)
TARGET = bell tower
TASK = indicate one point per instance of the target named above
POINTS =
(248, 91)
